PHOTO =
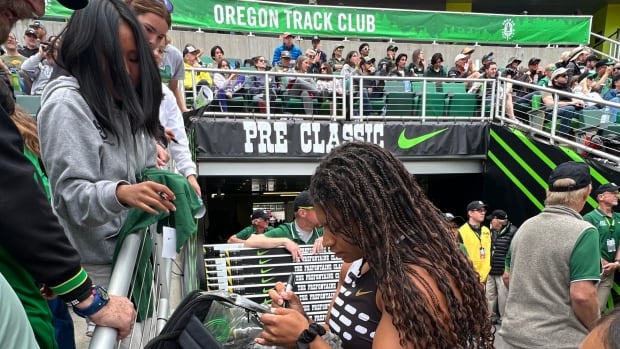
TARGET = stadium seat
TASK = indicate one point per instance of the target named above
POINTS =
(462, 104)
(30, 103)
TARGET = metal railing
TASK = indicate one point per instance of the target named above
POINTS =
(586, 126)
(160, 300)
(614, 47)
(355, 97)
(424, 99)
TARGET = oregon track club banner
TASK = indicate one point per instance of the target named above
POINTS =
(308, 20)
(218, 139)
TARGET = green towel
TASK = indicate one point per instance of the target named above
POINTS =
(187, 204)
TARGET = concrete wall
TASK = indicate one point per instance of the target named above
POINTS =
(242, 46)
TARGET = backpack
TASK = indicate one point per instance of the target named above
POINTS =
(211, 320)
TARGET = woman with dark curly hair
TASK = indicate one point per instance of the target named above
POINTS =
(404, 282)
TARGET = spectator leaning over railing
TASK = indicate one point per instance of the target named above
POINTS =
(52, 260)
(106, 69)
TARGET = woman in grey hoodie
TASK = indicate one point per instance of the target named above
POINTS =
(97, 125)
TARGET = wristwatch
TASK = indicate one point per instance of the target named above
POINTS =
(101, 298)
(308, 335)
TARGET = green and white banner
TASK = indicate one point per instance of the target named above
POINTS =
(308, 20)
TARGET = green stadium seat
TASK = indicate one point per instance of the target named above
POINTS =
(462, 104)
(399, 103)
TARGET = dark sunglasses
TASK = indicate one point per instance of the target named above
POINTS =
(323, 68)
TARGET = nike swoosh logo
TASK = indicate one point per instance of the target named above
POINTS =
(360, 293)
(408, 143)
(265, 271)
(261, 252)
(266, 280)
(263, 261)
(266, 290)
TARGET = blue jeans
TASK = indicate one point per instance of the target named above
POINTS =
(565, 115)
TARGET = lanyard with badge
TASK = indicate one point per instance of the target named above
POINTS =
(611, 243)
(478, 234)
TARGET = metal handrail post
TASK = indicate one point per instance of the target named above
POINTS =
(105, 337)
(164, 272)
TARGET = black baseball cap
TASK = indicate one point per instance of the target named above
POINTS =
(30, 32)
(316, 39)
(260, 214)
(392, 47)
(74, 4)
(499, 214)
(476, 205)
(608, 187)
(533, 60)
(577, 171)
(303, 200)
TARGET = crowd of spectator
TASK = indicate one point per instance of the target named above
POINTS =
(586, 74)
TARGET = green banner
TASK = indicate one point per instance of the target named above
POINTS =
(326, 21)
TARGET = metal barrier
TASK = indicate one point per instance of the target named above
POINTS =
(159, 300)
(614, 47)
(355, 97)
(584, 128)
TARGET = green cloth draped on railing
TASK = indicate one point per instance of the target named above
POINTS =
(187, 205)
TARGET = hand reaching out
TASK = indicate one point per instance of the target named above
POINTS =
(147, 196)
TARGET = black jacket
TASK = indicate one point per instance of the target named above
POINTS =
(29, 230)
(499, 247)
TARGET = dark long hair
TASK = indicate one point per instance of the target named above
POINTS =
(91, 53)
(373, 202)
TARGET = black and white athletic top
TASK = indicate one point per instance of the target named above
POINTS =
(354, 316)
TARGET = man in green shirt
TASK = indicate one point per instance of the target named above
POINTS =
(608, 224)
(260, 225)
(303, 230)
(554, 268)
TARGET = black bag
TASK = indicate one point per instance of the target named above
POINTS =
(211, 320)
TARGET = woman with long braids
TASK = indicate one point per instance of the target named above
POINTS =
(404, 282)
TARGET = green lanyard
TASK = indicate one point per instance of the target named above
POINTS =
(611, 223)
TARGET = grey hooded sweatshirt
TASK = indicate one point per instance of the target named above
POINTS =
(85, 164)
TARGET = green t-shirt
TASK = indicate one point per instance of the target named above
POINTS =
(245, 233)
(287, 230)
(585, 265)
(608, 232)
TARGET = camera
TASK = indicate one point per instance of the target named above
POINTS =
(511, 72)
(45, 45)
